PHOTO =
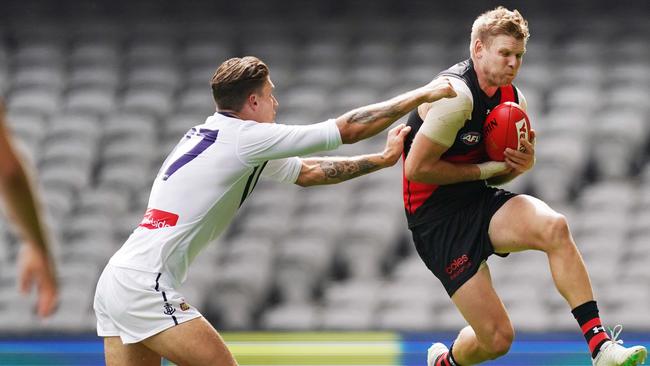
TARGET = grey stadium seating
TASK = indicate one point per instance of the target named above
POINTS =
(98, 95)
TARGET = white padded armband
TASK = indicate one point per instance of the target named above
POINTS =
(491, 168)
(447, 116)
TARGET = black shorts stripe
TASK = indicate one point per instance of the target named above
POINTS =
(166, 304)
(157, 278)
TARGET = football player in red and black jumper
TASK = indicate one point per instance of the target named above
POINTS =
(458, 219)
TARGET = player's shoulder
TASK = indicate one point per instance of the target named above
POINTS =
(463, 92)
(250, 126)
(462, 101)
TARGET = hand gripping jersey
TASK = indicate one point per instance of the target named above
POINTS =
(206, 178)
(426, 202)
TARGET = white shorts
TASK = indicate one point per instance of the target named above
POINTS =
(136, 305)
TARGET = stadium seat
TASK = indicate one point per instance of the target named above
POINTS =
(348, 318)
(294, 317)
(41, 77)
(197, 101)
(620, 138)
(206, 52)
(352, 293)
(99, 76)
(34, 100)
(150, 52)
(161, 77)
(148, 101)
(95, 100)
(412, 317)
(39, 54)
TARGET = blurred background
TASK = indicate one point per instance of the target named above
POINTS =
(98, 92)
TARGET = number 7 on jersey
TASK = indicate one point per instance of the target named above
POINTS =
(209, 137)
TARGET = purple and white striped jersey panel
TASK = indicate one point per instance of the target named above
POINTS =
(205, 180)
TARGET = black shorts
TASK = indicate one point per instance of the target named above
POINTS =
(453, 247)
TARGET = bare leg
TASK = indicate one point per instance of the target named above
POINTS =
(118, 354)
(524, 223)
(193, 343)
(489, 334)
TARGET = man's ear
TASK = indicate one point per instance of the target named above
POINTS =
(478, 48)
(252, 101)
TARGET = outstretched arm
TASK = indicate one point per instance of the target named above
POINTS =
(364, 122)
(35, 262)
(330, 170)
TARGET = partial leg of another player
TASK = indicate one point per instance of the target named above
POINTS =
(117, 353)
(193, 343)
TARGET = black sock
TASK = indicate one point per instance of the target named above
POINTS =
(589, 320)
(452, 361)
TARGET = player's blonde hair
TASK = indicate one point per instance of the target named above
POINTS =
(236, 79)
(498, 21)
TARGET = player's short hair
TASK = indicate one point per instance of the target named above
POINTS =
(499, 21)
(236, 79)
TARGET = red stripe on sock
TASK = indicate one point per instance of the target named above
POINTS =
(442, 360)
(588, 326)
(593, 343)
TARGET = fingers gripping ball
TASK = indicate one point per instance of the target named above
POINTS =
(504, 127)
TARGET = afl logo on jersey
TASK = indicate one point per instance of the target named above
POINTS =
(470, 138)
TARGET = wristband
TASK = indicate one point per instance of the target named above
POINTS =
(491, 168)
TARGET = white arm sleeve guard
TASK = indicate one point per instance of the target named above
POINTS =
(522, 100)
(447, 116)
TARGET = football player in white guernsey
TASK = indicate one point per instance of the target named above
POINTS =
(35, 263)
(197, 192)
(497, 45)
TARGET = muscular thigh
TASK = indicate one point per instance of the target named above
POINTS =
(193, 343)
(519, 223)
(135, 354)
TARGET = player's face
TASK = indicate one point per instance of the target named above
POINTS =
(267, 105)
(501, 59)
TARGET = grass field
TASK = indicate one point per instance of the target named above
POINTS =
(317, 349)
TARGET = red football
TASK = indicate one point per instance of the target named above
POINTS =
(503, 127)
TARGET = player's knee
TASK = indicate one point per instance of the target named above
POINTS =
(556, 233)
(501, 342)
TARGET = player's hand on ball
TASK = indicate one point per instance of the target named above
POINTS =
(395, 143)
(524, 160)
(440, 88)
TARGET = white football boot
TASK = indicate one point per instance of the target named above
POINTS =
(612, 353)
(435, 351)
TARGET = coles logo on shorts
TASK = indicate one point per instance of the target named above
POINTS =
(158, 219)
(458, 266)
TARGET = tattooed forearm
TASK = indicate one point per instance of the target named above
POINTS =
(367, 121)
(338, 171)
(372, 113)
